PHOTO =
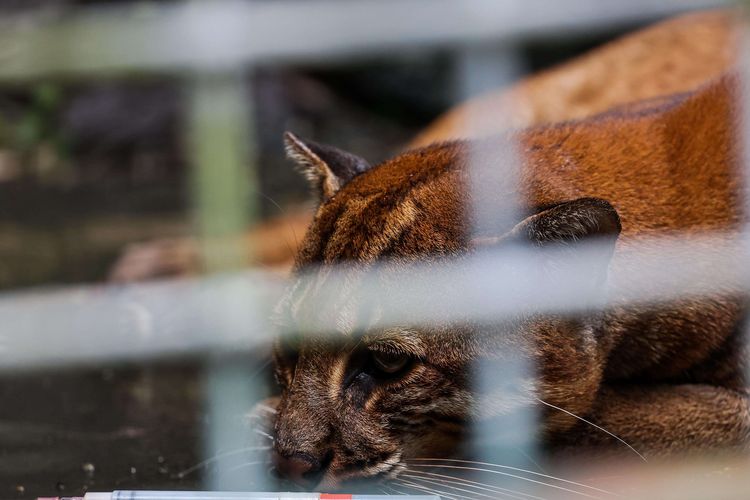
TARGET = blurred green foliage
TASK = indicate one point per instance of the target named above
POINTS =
(37, 134)
(37, 124)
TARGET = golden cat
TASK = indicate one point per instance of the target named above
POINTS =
(667, 379)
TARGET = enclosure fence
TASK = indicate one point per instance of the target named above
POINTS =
(210, 47)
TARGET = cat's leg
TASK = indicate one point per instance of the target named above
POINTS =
(661, 420)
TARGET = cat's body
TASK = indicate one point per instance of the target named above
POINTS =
(670, 57)
(666, 379)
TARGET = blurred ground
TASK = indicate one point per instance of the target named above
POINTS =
(64, 433)
(101, 429)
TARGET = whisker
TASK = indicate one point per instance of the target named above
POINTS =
(439, 482)
(508, 467)
(264, 434)
(474, 484)
(259, 370)
(399, 492)
(431, 491)
(284, 213)
(223, 473)
(530, 459)
(478, 469)
(215, 458)
(394, 490)
(595, 426)
(266, 408)
(423, 489)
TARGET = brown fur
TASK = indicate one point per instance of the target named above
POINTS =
(666, 379)
(674, 56)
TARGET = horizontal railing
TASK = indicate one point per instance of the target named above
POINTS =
(227, 35)
(230, 312)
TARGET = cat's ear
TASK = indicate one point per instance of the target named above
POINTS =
(327, 168)
(569, 222)
(591, 221)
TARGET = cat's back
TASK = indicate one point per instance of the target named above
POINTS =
(673, 56)
(671, 164)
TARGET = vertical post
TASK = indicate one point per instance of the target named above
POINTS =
(505, 439)
(221, 181)
(744, 135)
(744, 105)
(218, 134)
(494, 183)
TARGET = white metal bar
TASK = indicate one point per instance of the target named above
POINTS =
(81, 325)
(224, 35)
(218, 125)
(495, 208)
(89, 324)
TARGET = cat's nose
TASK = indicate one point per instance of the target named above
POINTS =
(301, 468)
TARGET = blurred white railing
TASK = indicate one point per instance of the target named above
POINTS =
(232, 312)
(226, 35)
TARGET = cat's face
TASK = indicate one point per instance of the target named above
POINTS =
(361, 402)
(359, 407)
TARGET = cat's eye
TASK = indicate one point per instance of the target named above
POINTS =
(389, 363)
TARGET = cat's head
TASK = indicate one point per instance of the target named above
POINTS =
(360, 402)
